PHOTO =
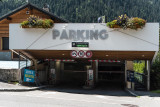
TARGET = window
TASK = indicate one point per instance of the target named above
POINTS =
(5, 43)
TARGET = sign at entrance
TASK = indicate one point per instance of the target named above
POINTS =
(29, 75)
(74, 54)
(90, 74)
(88, 54)
(80, 44)
(53, 73)
(81, 54)
(80, 34)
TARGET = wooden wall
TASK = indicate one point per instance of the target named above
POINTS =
(0, 43)
(19, 17)
(101, 55)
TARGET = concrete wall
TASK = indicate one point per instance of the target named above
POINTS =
(42, 76)
(42, 71)
(146, 39)
(10, 75)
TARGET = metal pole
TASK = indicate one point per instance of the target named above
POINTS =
(125, 72)
(96, 70)
(145, 69)
(26, 62)
(148, 75)
(19, 61)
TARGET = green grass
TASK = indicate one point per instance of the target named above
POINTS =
(156, 91)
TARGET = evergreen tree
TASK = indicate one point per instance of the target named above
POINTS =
(87, 11)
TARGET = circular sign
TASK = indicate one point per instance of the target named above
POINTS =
(81, 54)
(89, 54)
(74, 54)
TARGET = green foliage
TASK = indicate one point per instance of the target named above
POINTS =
(47, 23)
(139, 67)
(156, 64)
(112, 24)
(40, 23)
(25, 23)
(87, 11)
(155, 73)
(35, 22)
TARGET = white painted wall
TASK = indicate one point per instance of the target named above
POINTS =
(146, 39)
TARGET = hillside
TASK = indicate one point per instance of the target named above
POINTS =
(89, 10)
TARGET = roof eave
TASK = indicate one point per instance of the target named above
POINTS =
(33, 6)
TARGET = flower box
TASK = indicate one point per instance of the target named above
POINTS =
(35, 22)
(125, 22)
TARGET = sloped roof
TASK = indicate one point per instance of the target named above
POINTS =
(35, 7)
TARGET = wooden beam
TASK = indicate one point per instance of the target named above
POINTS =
(9, 18)
(27, 54)
(30, 7)
(0, 43)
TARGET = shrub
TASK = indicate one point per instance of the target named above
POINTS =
(155, 73)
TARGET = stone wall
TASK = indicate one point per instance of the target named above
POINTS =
(10, 75)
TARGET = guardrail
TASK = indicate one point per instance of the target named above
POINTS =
(140, 81)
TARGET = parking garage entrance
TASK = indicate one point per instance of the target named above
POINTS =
(111, 74)
(100, 73)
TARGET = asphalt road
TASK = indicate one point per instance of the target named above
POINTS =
(75, 98)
